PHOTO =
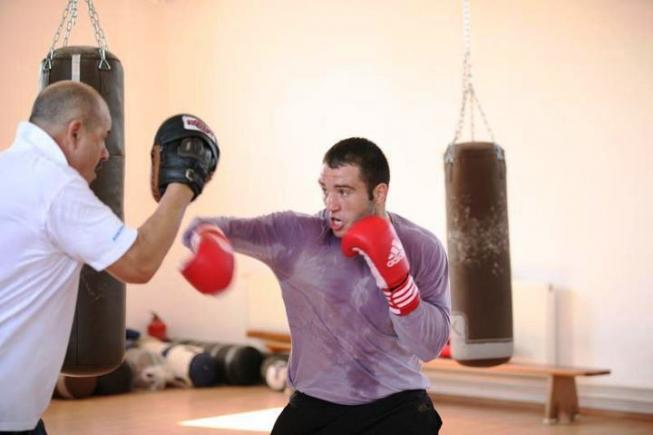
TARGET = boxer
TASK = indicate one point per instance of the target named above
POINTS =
(366, 294)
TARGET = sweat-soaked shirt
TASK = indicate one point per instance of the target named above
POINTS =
(347, 347)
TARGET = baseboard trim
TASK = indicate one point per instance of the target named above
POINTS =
(635, 402)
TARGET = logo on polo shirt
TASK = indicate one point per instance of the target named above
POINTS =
(115, 236)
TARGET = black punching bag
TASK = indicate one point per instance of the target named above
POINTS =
(236, 364)
(97, 339)
(479, 254)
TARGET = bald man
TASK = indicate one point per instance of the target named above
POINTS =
(51, 223)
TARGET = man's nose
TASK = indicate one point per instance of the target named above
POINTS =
(104, 155)
(331, 202)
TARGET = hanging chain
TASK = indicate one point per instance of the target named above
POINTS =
(468, 94)
(99, 34)
(67, 12)
(70, 19)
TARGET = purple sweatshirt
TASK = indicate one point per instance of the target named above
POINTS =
(347, 347)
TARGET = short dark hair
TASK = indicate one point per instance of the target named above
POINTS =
(366, 155)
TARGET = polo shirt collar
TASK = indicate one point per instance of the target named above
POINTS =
(36, 137)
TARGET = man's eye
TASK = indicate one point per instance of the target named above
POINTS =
(343, 192)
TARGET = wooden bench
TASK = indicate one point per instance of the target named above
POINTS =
(274, 341)
(561, 400)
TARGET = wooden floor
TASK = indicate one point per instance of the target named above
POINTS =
(161, 412)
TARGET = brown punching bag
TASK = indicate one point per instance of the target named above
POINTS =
(479, 253)
(97, 339)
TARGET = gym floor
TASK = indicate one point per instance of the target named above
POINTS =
(211, 411)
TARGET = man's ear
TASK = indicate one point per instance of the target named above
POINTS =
(68, 139)
(380, 193)
(72, 132)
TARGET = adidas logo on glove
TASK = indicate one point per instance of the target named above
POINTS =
(396, 253)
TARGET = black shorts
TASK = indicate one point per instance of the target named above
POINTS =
(405, 413)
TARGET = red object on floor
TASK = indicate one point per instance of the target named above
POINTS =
(157, 328)
(446, 351)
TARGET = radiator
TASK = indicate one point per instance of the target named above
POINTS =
(535, 332)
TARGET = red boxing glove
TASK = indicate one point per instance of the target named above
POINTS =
(211, 268)
(375, 239)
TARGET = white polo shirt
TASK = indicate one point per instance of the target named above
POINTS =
(51, 223)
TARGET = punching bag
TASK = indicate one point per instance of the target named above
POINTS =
(479, 253)
(274, 371)
(236, 364)
(190, 364)
(97, 340)
(74, 387)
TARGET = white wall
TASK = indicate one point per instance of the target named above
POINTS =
(566, 86)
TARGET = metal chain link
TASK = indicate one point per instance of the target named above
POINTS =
(468, 94)
(72, 4)
(70, 19)
(99, 34)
